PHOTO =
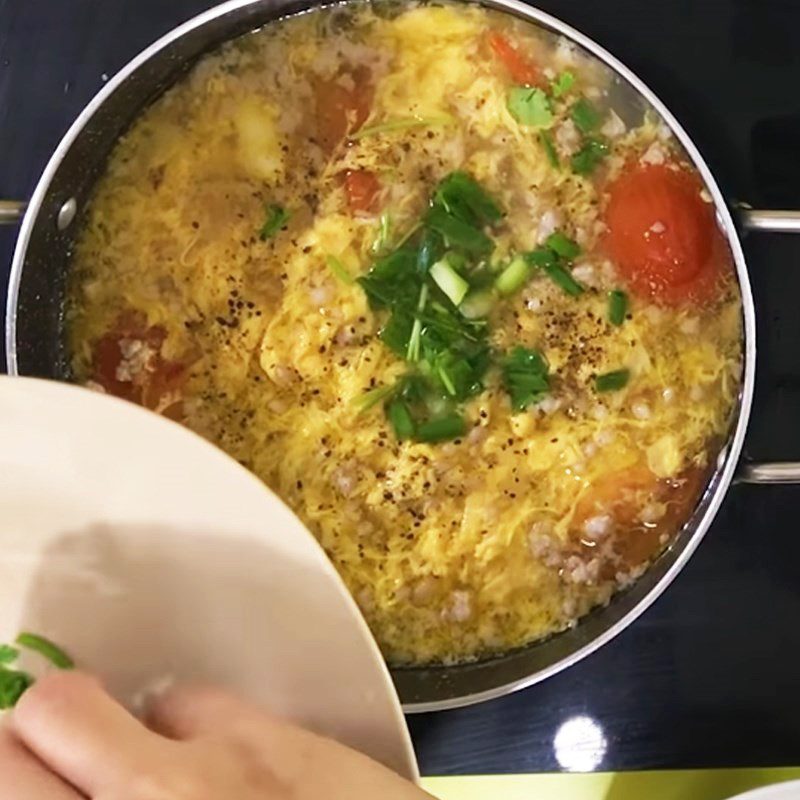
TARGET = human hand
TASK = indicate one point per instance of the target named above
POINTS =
(68, 739)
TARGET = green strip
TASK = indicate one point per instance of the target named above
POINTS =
(54, 654)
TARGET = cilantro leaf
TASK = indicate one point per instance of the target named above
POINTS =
(13, 684)
(392, 279)
(589, 156)
(277, 217)
(458, 233)
(525, 377)
(585, 116)
(8, 654)
(530, 106)
(562, 84)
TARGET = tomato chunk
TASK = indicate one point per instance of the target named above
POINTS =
(127, 363)
(519, 68)
(663, 236)
(343, 104)
(362, 189)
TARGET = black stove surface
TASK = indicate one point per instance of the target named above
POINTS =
(709, 675)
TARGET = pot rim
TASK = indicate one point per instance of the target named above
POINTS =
(730, 454)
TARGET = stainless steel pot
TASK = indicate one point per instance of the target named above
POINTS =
(35, 345)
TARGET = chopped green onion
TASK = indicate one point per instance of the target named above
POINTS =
(392, 125)
(458, 233)
(13, 684)
(339, 269)
(563, 246)
(525, 377)
(589, 156)
(530, 106)
(585, 116)
(446, 380)
(513, 277)
(442, 428)
(54, 654)
(430, 250)
(562, 84)
(449, 281)
(400, 419)
(8, 654)
(612, 381)
(617, 306)
(412, 354)
(541, 257)
(374, 396)
(384, 231)
(463, 197)
(477, 304)
(277, 217)
(549, 148)
(563, 279)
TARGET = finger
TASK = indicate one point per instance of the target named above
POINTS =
(191, 712)
(82, 734)
(24, 777)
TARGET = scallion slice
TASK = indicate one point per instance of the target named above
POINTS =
(617, 306)
(442, 428)
(549, 148)
(513, 277)
(563, 279)
(612, 381)
(53, 653)
(400, 419)
(449, 281)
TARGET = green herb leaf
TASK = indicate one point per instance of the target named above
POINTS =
(393, 277)
(525, 377)
(277, 217)
(339, 269)
(441, 429)
(397, 331)
(384, 231)
(8, 654)
(460, 373)
(374, 396)
(563, 279)
(617, 306)
(402, 124)
(414, 341)
(612, 381)
(585, 116)
(52, 652)
(13, 684)
(464, 198)
(563, 246)
(589, 156)
(549, 149)
(431, 249)
(400, 419)
(458, 233)
(530, 106)
(562, 84)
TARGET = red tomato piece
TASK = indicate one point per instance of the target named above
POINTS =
(520, 69)
(662, 235)
(362, 189)
(152, 387)
(343, 104)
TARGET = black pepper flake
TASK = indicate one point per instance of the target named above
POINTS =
(388, 496)
(299, 484)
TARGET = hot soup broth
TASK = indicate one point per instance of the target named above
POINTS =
(416, 273)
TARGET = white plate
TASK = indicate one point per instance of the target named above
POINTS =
(148, 553)
(780, 791)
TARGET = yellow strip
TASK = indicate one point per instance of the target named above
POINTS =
(699, 784)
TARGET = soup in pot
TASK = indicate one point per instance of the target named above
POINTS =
(418, 269)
